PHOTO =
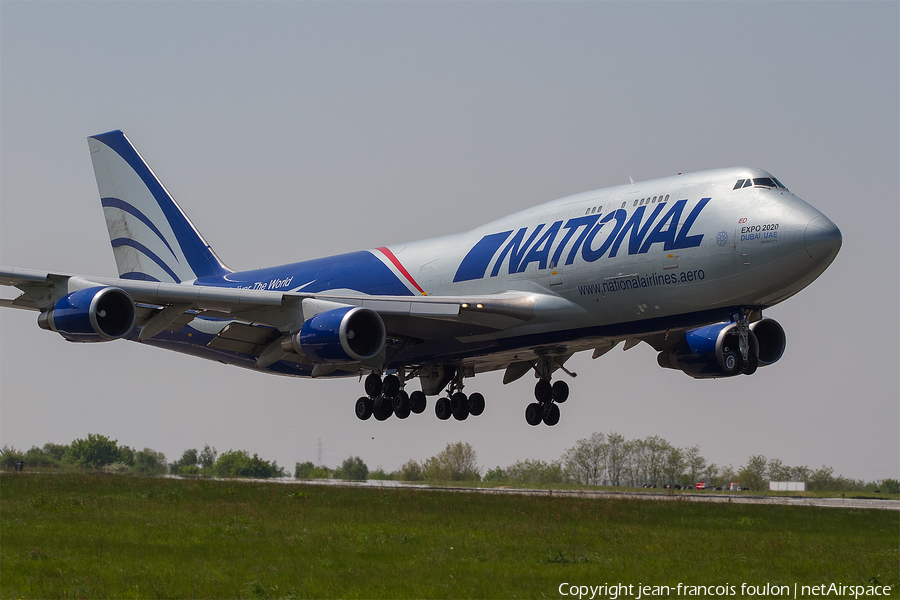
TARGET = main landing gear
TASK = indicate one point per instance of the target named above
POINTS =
(386, 397)
(457, 404)
(548, 396)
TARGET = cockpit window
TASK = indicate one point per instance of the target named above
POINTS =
(769, 182)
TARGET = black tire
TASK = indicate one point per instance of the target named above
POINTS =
(534, 413)
(543, 391)
(373, 385)
(400, 403)
(403, 412)
(560, 392)
(459, 406)
(552, 416)
(417, 402)
(476, 404)
(442, 409)
(458, 400)
(364, 408)
(384, 410)
(391, 386)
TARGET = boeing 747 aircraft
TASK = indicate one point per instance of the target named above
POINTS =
(686, 264)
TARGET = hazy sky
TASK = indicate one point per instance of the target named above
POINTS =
(289, 131)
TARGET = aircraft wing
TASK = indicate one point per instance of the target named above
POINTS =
(171, 305)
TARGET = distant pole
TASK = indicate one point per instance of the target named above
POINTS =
(319, 454)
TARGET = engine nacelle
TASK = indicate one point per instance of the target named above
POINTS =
(770, 339)
(341, 335)
(710, 351)
(98, 314)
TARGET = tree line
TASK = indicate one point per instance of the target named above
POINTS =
(600, 460)
(605, 460)
(98, 452)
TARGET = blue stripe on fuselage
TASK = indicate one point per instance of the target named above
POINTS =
(359, 271)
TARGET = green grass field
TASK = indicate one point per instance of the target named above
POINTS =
(95, 536)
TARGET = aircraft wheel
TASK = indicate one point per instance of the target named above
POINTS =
(752, 364)
(391, 386)
(552, 416)
(373, 385)
(459, 406)
(560, 392)
(384, 410)
(363, 408)
(476, 404)
(417, 402)
(534, 413)
(400, 404)
(442, 409)
(543, 391)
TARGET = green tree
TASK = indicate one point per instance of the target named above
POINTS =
(410, 471)
(36, 457)
(586, 461)
(308, 470)
(695, 465)
(9, 455)
(207, 457)
(530, 471)
(352, 469)
(55, 451)
(753, 475)
(95, 451)
(496, 475)
(149, 462)
(890, 486)
(457, 462)
(616, 458)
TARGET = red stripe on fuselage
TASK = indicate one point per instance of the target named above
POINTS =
(390, 256)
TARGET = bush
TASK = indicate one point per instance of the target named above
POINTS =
(95, 451)
(308, 470)
(457, 462)
(149, 462)
(890, 486)
(535, 471)
(352, 469)
(238, 463)
(410, 471)
(379, 474)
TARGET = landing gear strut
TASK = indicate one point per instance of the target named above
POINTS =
(548, 396)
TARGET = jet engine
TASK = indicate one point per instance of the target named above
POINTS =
(98, 314)
(714, 350)
(341, 335)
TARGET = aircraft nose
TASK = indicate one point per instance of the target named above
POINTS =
(822, 239)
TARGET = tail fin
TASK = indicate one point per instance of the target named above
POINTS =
(152, 238)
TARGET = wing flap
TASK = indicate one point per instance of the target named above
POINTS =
(245, 338)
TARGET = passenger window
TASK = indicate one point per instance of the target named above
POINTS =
(738, 185)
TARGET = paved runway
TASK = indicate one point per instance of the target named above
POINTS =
(876, 503)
